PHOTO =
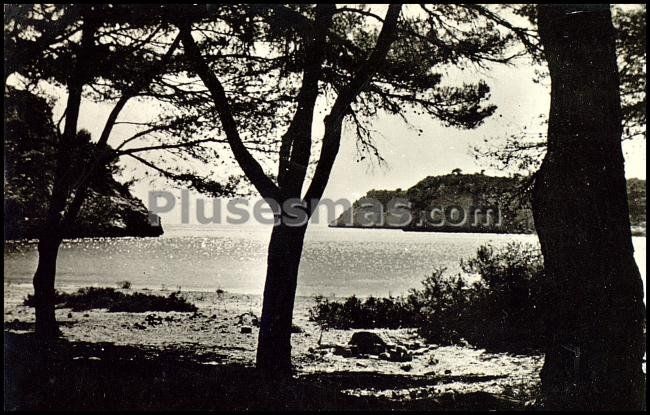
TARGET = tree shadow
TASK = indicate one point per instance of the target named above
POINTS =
(67, 375)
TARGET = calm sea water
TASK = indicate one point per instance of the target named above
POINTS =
(233, 258)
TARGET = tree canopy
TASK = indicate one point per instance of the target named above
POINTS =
(524, 149)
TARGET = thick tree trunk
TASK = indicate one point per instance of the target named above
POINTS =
(274, 345)
(44, 299)
(595, 312)
(57, 218)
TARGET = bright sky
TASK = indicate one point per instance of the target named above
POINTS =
(409, 157)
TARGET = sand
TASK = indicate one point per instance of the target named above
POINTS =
(213, 336)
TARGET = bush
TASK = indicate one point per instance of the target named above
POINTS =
(114, 301)
(507, 301)
(441, 305)
(499, 311)
(353, 313)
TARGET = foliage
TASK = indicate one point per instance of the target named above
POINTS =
(524, 150)
(115, 301)
(636, 197)
(631, 47)
(30, 154)
(129, 56)
(501, 310)
(355, 313)
(504, 304)
(259, 53)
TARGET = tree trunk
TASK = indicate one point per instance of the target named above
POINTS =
(274, 345)
(56, 220)
(595, 315)
(44, 298)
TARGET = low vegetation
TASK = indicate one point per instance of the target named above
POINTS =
(372, 312)
(498, 310)
(115, 301)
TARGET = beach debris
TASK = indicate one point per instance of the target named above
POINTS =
(246, 330)
(153, 319)
(248, 319)
(69, 315)
(420, 351)
(415, 345)
(369, 345)
(407, 367)
(342, 350)
(400, 354)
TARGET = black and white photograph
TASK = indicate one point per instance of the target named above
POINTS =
(324, 207)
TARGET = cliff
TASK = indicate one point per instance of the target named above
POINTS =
(29, 155)
(464, 203)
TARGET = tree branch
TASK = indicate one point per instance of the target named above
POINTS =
(101, 146)
(295, 149)
(167, 146)
(334, 120)
(523, 34)
(64, 171)
(247, 162)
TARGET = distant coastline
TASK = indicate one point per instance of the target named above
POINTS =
(474, 197)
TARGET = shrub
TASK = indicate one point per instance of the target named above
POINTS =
(114, 301)
(501, 310)
(125, 285)
(59, 298)
(442, 304)
(508, 299)
(391, 312)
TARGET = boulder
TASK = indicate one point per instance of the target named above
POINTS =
(367, 342)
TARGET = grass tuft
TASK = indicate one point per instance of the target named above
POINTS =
(89, 298)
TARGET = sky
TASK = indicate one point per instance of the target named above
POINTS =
(409, 156)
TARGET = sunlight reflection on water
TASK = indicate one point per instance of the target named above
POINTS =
(335, 261)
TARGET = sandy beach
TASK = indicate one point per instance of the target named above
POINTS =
(214, 336)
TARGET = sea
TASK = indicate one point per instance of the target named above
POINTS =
(335, 261)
